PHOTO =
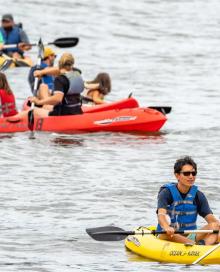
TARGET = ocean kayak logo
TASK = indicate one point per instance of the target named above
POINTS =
(115, 120)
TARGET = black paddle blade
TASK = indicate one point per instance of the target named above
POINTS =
(162, 109)
(31, 120)
(40, 49)
(108, 233)
(6, 64)
(66, 42)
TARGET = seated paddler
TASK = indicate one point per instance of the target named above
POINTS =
(180, 203)
(66, 98)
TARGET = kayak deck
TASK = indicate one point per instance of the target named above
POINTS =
(151, 247)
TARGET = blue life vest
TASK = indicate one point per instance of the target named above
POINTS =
(182, 212)
(47, 79)
(11, 37)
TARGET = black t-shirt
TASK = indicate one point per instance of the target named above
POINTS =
(61, 84)
(165, 198)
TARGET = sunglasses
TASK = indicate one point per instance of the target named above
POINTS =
(188, 173)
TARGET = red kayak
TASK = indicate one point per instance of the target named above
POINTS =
(121, 104)
(115, 116)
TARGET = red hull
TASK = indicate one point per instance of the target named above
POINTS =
(118, 120)
(121, 104)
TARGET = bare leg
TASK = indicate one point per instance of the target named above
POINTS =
(39, 112)
(43, 91)
(27, 60)
(18, 116)
(48, 107)
(178, 238)
(209, 239)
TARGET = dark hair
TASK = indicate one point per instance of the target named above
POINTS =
(184, 161)
(4, 83)
(104, 81)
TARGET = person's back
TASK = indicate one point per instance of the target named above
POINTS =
(97, 89)
(8, 106)
(70, 85)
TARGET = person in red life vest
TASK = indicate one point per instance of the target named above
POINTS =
(8, 106)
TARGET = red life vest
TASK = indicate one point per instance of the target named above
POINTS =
(8, 107)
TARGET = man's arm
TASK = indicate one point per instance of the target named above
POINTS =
(164, 199)
(25, 43)
(210, 218)
(164, 222)
(204, 209)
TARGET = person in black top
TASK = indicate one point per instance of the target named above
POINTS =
(66, 99)
(180, 203)
(68, 86)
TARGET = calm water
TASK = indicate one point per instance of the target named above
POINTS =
(167, 53)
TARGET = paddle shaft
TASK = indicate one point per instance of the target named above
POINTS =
(36, 80)
(206, 254)
(154, 232)
(61, 42)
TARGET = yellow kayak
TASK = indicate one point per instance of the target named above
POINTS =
(15, 62)
(151, 247)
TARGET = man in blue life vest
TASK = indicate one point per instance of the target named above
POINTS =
(180, 203)
(13, 34)
(46, 73)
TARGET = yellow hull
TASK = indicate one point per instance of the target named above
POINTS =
(16, 62)
(150, 247)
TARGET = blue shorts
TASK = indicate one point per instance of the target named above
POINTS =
(192, 236)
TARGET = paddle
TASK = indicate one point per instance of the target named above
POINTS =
(162, 109)
(9, 60)
(6, 64)
(112, 233)
(61, 42)
(31, 111)
(207, 253)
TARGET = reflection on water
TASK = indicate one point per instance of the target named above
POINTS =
(136, 258)
(6, 136)
(63, 141)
